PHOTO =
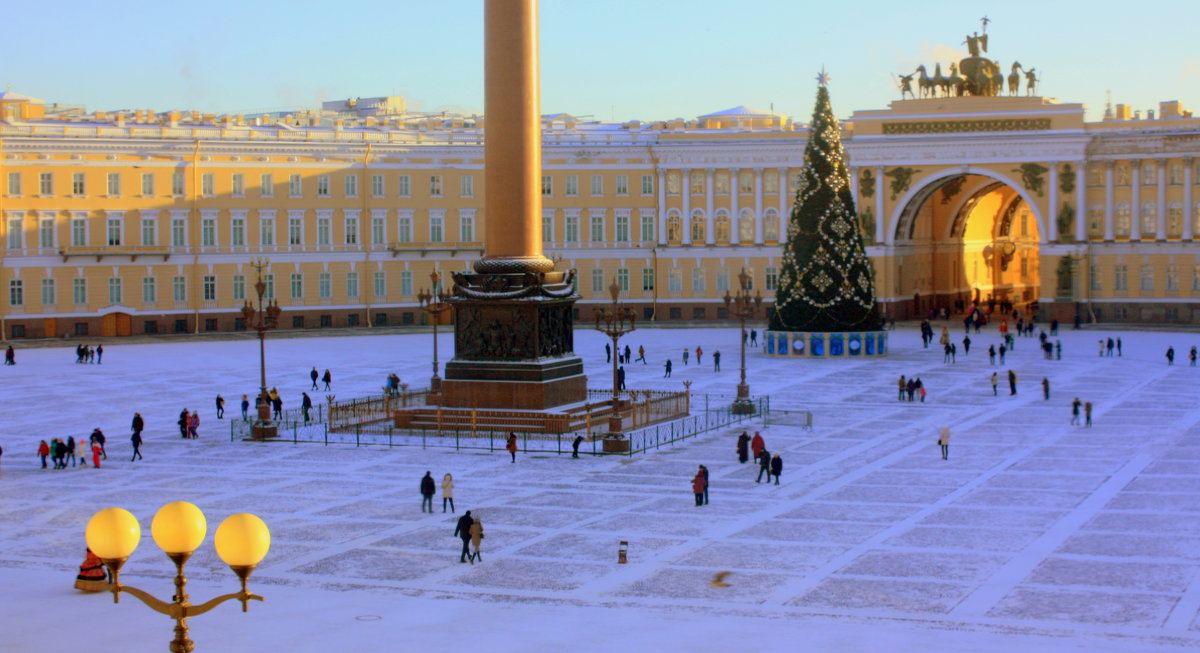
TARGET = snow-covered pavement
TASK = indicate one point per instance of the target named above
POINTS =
(1034, 535)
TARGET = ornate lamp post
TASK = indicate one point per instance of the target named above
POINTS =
(262, 321)
(242, 541)
(615, 322)
(743, 306)
(433, 302)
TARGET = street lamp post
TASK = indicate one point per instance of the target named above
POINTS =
(433, 302)
(242, 541)
(615, 322)
(742, 306)
(262, 320)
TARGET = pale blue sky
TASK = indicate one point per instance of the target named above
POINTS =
(611, 59)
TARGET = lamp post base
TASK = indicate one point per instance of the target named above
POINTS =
(615, 443)
(264, 431)
(743, 405)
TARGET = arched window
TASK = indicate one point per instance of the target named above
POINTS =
(1149, 223)
(746, 227)
(1122, 220)
(721, 233)
(771, 226)
(674, 227)
(699, 227)
(1175, 220)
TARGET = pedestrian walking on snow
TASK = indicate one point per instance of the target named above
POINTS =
(476, 531)
(245, 407)
(1046, 388)
(757, 444)
(944, 442)
(1012, 382)
(327, 378)
(716, 361)
(575, 446)
(136, 441)
(776, 468)
(743, 447)
(99, 353)
(698, 487)
(995, 381)
(704, 470)
(427, 491)
(699, 353)
(1087, 412)
(991, 354)
(764, 465)
(667, 367)
(43, 451)
(220, 407)
(193, 425)
(313, 375)
(607, 353)
(1170, 355)
(183, 423)
(903, 385)
(70, 451)
(966, 345)
(1075, 411)
(511, 445)
(447, 492)
(641, 355)
(686, 353)
(462, 530)
(305, 405)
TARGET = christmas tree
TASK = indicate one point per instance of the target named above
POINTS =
(827, 282)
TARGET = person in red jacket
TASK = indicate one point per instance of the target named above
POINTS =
(96, 452)
(698, 487)
(757, 445)
(43, 451)
(512, 446)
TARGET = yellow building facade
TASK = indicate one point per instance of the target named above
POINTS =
(145, 222)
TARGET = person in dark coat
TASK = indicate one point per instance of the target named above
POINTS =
(628, 354)
(305, 405)
(621, 377)
(575, 446)
(428, 489)
(277, 407)
(776, 468)
(462, 530)
(667, 367)
(764, 466)
(137, 425)
(511, 445)
(99, 353)
(183, 420)
(704, 470)
(1170, 355)
(60, 454)
(10, 356)
(698, 487)
(1012, 382)
(70, 451)
(716, 361)
(245, 407)
(313, 375)
(327, 378)
(220, 401)
(97, 437)
(136, 439)
(743, 447)
(1046, 388)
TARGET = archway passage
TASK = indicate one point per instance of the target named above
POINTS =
(962, 240)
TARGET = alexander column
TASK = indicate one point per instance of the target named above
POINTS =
(513, 332)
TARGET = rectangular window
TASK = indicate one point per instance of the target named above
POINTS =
(239, 287)
(237, 232)
(772, 279)
(208, 184)
(406, 283)
(622, 228)
(436, 226)
(597, 185)
(1094, 274)
(547, 186)
(548, 227)
(14, 183)
(352, 284)
(49, 295)
(1146, 277)
(466, 186)
(722, 279)
(380, 284)
(672, 184)
(745, 182)
(269, 282)
(404, 229)
(699, 279)
(647, 184)
(435, 185)
(295, 230)
(266, 230)
(675, 280)
(177, 184)
(16, 293)
(179, 289)
(324, 229)
(597, 228)
(114, 231)
(325, 285)
(771, 182)
(208, 232)
(623, 279)
(572, 229)
(647, 279)
(749, 278)
(210, 288)
(46, 232)
(597, 280)
(239, 185)
(147, 184)
(78, 184)
(1196, 277)
(466, 228)
(46, 184)
(1121, 278)
(295, 188)
(1172, 277)
(78, 232)
(266, 186)
(79, 290)
(572, 186)
(114, 184)
(297, 285)
(376, 185)
(14, 233)
(351, 184)
(721, 183)
(404, 183)
(647, 228)
(378, 227)
(351, 231)
(178, 232)
(696, 184)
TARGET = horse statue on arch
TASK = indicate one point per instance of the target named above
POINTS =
(924, 83)
(1014, 78)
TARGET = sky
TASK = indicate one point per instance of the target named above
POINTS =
(611, 60)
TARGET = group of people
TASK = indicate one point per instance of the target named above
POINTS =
(60, 452)
(1107, 346)
(470, 530)
(1087, 412)
(85, 354)
(428, 489)
(188, 424)
(768, 464)
(326, 378)
(910, 389)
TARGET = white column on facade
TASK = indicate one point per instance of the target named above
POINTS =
(661, 234)
(880, 218)
(735, 234)
(1080, 202)
(709, 232)
(686, 189)
(784, 216)
(1052, 214)
(1135, 214)
(758, 205)
(1161, 168)
(1187, 199)
(1108, 201)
